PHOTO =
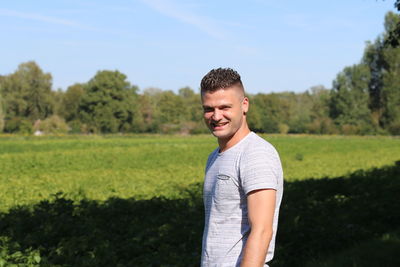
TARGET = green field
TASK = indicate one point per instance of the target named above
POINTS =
(99, 167)
(80, 177)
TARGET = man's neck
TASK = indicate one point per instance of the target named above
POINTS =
(225, 144)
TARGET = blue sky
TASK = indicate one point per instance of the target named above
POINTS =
(275, 45)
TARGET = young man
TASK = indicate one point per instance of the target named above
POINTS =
(243, 180)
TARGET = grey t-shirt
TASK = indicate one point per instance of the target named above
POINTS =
(251, 164)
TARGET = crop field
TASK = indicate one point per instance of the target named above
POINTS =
(32, 169)
(70, 177)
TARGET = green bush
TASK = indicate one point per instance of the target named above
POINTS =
(75, 126)
(1, 116)
(345, 221)
(382, 251)
(54, 125)
(394, 128)
(18, 125)
(11, 254)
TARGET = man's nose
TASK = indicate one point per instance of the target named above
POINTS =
(217, 115)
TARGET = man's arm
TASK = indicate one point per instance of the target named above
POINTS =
(261, 208)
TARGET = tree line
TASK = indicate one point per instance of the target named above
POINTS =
(364, 99)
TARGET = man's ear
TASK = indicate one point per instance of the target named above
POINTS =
(245, 105)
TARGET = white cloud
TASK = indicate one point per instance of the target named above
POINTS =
(41, 18)
(172, 10)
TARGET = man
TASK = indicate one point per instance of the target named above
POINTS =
(243, 180)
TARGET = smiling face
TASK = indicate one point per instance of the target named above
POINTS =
(225, 115)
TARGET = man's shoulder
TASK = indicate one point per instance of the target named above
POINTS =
(258, 149)
(260, 156)
(257, 143)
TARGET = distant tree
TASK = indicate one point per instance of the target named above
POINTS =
(299, 112)
(350, 99)
(148, 108)
(71, 100)
(393, 37)
(167, 112)
(1, 114)
(27, 92)
(18, 125)
(320, 122)
(58, 97)
(269, 112)
(171, 112)
(254, 118)
(320, 97)
(383, 62)
(27, 95)
(373, 58)
(191, 100)
(193, 119)
(391, 79)
(109, 104)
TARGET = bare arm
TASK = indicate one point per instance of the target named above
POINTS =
(261, 207)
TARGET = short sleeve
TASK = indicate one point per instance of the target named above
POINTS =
(260, 168)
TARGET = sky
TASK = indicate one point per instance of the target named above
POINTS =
(275, 45)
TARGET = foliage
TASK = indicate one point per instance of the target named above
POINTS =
(349, 99)
(391, 81)
(171, 111)
(11, 254)
(331, 216)
(393, 37)
(109, 103)
(380, 251)
(53, 125)
(328, 219)
(18, 125)
(136, 200)
(71, 101)
(365, 97)
(27, 92)
(1, 114)
(32, 168)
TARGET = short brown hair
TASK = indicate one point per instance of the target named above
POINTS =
(220, 78)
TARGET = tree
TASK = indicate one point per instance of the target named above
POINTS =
(1, 115)
(298, 108)
(350, 99)
(193, 119)
(71, 100)
(391, 79)
(373, 57)
(171, 112)
(148, 109)
(383, 62)
(57, 97)
(254, 116)
(109, 104)
(27, 92)
(320, 122)
(267, 112)
(393, 37)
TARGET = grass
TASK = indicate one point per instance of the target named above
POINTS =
(100, 167)
(136, 200)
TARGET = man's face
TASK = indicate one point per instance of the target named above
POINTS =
(224, 111)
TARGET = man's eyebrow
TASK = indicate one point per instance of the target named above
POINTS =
(219, 106)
